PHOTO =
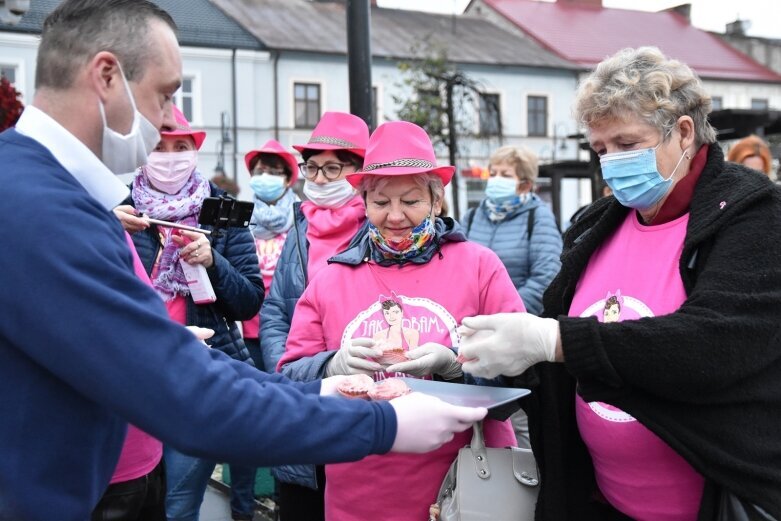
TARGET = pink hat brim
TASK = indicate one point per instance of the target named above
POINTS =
(325, 146)
(197, 135)
(445, 173)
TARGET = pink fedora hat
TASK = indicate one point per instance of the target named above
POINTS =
(400, 148)
(183, 129)
(338, 131)
(274, 147)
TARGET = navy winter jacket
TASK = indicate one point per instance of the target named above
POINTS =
(235, 277)
(532, 262)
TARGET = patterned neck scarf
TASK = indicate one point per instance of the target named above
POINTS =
(498, 211)
(413, 245)
(182, 207)
(268, 221)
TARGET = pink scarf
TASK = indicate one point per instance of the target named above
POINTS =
(330, 230)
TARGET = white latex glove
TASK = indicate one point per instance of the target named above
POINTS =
(353, 358)
(425, 423)
(506, 343)
(328, 385)
(201, 333)
(430, 358)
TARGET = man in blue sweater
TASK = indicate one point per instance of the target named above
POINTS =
(85, 346)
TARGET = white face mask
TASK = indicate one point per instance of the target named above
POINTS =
(329, 195)
(125, 153)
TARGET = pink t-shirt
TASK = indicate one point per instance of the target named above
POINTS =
(141, 452)
(329, 230)
(268, 251)
(412, 305)
(635, 274)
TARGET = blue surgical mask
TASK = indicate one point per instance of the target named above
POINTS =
(268, 187)
(499, 189)
(634, 177)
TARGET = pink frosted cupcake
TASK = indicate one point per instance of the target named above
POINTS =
(389, 389)
(355, 386)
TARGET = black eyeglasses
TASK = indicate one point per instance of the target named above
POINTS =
(331, 171)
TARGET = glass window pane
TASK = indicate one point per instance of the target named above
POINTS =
(187, 107)
(300, 111)
(187, 85)
(313, 92)
(313, 112)
(8, 73)
(300, 91)
(716, 103)
(759, 104)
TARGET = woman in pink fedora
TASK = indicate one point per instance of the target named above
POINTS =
(171, 188)
(434, 277)
(324, 225)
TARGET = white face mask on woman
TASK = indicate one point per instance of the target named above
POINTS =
(125, 153)
(329, 195)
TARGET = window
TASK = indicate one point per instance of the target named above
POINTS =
(537, 115)
(8, 72)
(185, 97)
(307, 104)
(716, 103)
(490, 117)
(759, 104)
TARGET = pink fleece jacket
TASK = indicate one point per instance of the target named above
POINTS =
(346, 302)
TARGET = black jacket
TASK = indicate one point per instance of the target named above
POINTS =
(706, 378)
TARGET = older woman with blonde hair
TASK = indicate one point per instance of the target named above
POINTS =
(668, 410)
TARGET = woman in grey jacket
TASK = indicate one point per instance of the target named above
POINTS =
(514, 222)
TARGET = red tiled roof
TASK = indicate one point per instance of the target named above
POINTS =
(587, 34)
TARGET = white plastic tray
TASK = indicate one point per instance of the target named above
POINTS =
(466, 395)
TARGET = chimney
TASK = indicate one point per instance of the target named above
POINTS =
(588, 3)
(738, 27)
(684, 10)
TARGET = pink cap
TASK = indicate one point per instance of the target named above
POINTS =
(338, 131)
(183, 129)
(400, 148)
(274, 147)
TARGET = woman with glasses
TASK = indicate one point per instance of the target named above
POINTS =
(323, 226)
(413, 272)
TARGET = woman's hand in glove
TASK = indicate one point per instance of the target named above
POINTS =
(355, 358)
(506, 343)
(430, 358)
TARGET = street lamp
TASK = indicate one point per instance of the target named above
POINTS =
(560, 144)
(225, 138)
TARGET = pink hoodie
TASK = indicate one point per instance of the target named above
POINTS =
(346, 302)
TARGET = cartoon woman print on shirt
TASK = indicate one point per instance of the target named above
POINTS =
(396, 335)
(613, 305)
(403, 321)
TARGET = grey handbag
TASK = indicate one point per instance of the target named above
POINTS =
(488, 484)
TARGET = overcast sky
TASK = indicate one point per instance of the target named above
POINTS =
(711, 15)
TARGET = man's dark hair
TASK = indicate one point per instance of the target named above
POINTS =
(79, 29)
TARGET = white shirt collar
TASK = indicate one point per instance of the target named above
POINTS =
(78, 160)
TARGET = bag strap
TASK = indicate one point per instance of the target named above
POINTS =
(479, 453)
(469, 218)
(530, 224)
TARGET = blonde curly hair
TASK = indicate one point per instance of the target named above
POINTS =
(643, 82)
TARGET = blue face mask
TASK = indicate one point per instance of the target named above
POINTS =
(268, 187)
(499, 189)
(634, 177)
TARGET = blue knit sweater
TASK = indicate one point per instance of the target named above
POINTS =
(86, 347)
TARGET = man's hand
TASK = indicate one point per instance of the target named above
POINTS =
(425, 423)
(430, 358)
(506, 343)
(355, 358)
(201, 333)
(328, 385)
